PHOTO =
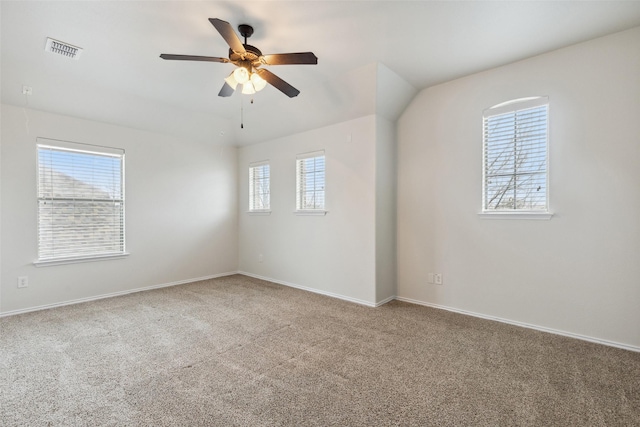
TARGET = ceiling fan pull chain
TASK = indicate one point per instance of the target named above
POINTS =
(241, 113)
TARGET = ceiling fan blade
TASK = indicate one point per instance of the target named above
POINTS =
(226, 31)
(193, 58)
(278, 83)
(289, 58)
(226, 90)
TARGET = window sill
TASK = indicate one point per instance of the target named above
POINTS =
(311, 212)
(61, 261)
(516, 215)
(265, 212)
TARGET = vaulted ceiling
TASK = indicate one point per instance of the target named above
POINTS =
(366, 50)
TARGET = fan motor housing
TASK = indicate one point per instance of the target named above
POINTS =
(252, 54)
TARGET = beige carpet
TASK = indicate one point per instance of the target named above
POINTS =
(237, 351)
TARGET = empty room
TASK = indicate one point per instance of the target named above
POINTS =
(315, 213)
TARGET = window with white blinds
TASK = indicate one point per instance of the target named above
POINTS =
(80, 201)
(515, 139)
(259, 187)
(310, 181)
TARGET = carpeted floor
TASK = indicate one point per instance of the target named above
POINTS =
(238, 351)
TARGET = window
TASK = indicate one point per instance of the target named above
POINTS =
(310, 178)
(515, 136)
(259, 181)
(80, 202)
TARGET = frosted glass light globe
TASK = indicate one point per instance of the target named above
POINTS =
(248, 88)
(231, 81)
(258, 82)
(241, 75)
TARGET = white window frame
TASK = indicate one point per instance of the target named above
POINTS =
(48, 257)
(254, 189)
(507, 108)
(300, 210)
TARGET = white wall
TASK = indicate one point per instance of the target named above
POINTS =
(578, 272)
(348, 96)
(385, 231)
(335, 253)
(392, 93)
(181, 211)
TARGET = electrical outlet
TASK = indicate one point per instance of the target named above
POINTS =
(438, 278)
(260, 258)
(430, 278)
(23, 281)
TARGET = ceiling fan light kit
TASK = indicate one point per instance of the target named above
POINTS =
(249, 60)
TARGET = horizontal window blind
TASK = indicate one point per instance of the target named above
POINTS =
(310, 181)
(259, 186)
(515, 159)
(80, 202)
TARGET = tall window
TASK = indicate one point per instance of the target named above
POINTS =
(259, 182)
(80, 201)
(515, 137)
(310, 178)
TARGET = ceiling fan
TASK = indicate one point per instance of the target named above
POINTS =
(249, 60)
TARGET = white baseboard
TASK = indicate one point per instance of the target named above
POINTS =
(525, 325)
(333, 295)
(112, 294)
(386, 300)
(455, 310)
(305, 288)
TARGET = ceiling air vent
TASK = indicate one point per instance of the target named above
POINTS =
(62, 48)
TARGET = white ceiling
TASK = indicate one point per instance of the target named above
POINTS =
(120, 79)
